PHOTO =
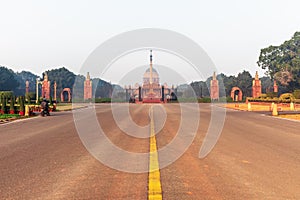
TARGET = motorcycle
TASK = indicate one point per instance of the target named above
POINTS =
(45, 112)
(45, 109)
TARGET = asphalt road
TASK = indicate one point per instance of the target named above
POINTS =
(256, 157)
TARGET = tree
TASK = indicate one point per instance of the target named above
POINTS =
(63, 77)
(283, 62)
(267, 84)
(229, 82)
(7, 79)
(22, 77)
(200, 88)
(101, 88)
(244, 82)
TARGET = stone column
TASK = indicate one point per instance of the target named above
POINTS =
(37, 90)
(275, 86)
(27, 87)
(54, 94)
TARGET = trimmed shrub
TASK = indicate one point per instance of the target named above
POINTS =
(263, 96)
(106, 100)
(272, 95)
(22, 105)
(12, 106)
(287, 97)
(7, 94)
(3, 105)
(204, 100)
(297, 94)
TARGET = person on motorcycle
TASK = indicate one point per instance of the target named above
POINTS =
(45, 107)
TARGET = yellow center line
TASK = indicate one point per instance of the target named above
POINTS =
(154, 185)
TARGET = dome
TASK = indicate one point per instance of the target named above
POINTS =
(155, 76)
(153, 70)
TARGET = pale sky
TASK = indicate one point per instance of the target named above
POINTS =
(41, 35)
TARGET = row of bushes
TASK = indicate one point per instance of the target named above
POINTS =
(284, 98)
(199, 100)
(12, 108)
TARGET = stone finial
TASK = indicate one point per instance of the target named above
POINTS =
(256, 75)
(214, 76)
(45, 76)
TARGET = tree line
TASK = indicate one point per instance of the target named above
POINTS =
(282, 62)
(243, 80)
(15, 82)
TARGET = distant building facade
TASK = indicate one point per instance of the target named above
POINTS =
(151, 91)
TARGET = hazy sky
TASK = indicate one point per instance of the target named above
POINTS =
(40, 35)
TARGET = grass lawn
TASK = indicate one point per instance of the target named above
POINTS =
(8, 117)
(257, 107)
(69, 106)
(294, 116)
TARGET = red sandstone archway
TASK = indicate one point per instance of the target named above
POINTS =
(239, 97)
(62, 94)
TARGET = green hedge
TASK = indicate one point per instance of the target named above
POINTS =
(284, 98)
(7, 94)
(297, 94)
(6, 116)
(204, 100)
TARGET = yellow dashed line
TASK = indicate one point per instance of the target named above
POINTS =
(154, 185)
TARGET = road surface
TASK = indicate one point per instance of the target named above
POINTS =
(256, 157)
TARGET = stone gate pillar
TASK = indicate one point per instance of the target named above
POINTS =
(87, 87)
(256, 86)
(275, 87)
(214, 88)
(46, 87)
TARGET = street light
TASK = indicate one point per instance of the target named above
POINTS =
(37, 89)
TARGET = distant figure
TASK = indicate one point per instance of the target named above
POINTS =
(45, 107)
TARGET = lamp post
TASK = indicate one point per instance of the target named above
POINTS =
(54, 95)
(37, 89)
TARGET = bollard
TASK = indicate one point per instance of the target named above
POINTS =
(292, 106)
(249, 106)
(272, 106)
(275, 111)
(54, 107)
(27, 110)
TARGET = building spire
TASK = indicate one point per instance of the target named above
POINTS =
(151, 81)
(88, 76)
